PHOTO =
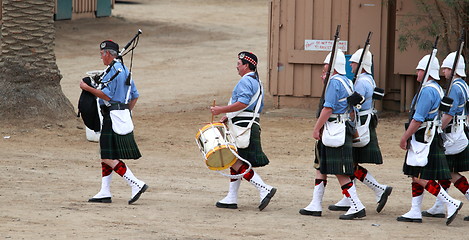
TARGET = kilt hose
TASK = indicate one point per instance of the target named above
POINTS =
(437, 166)
(253, 153)
(337, 161)
(369, 153)
(459, 162)
(115, 146)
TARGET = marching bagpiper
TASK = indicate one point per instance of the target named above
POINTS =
(118, 94)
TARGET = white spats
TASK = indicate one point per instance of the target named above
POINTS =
(105, 187)
(415, 214)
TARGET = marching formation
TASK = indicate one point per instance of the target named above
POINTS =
(435, 138)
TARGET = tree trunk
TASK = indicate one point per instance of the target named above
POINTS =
(29, 76)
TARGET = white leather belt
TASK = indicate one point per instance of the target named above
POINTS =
(248, 114)
(366, 112)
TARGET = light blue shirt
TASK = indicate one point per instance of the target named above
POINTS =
(459, 97)
(116, 90)
(428, 101)
(336, 91)
(245, 90)
(364, 88)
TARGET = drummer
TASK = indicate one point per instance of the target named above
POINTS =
(247, 97)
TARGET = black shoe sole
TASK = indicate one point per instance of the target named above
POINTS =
(267, 198)
(338, 208)
(360, 214)
(310, 213)
(227, 205)
(405, 219)
(137, 196)
(100, 200)
(383, 199)
(450, 219)
(438, 215)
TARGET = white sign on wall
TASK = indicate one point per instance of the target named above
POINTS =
(324, 45)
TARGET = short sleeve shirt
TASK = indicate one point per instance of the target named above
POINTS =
(116, 89)
(459, 97)
(245, 90)
(428, 101)
(336, 94)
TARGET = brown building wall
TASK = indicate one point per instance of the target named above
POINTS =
(294, 73)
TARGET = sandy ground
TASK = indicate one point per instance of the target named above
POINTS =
(185, 59)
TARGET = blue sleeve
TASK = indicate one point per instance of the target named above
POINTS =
(424, 105)
(110, 89)
(243, 92)
(331, 97)
(456, 101)
(133, 91)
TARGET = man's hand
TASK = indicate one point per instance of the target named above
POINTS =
(317, 134)
(84, 86)
(216, 110)
(224, 119)
(403, 143)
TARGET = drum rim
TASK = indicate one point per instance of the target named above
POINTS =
(197, 135)
(228, 146)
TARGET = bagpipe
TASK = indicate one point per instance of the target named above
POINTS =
(88, 107)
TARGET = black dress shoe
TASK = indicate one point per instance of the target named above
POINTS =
(310, 213)
(359, 214)
(267, 198)
(406, 219)
(436, 215)
(227, 205)
(137, 196)
(101, 200)
(338, 208)
(384, 198)
(466, 218)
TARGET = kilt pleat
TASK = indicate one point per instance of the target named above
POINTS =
(338, 161)
(369, 153)
(459, 162)
(253, 153)
(115, 146)
(437, 166)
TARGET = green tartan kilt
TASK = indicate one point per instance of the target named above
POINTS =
(337, 161)
(437, 166)
(459, 162)
(369, 153)
(115, 146)
(253, 153)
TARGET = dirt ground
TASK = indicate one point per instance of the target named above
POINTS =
(185, 59)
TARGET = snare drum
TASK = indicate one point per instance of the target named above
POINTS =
(216, 146)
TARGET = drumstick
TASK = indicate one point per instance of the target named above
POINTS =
(212, 113)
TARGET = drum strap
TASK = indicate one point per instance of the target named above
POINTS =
(257, 97)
